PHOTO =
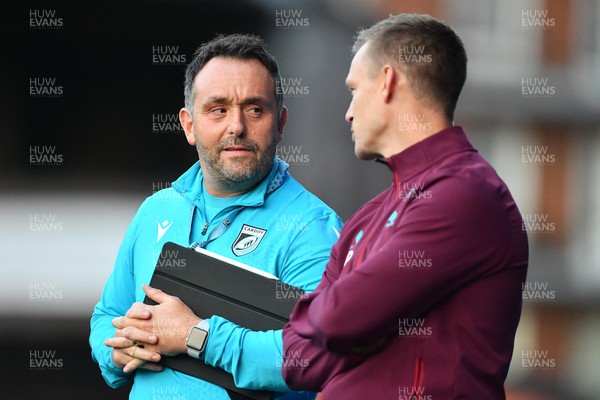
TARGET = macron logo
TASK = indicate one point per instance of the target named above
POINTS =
(163, 228)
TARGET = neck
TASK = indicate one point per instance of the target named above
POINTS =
(412, 127)
(229, 189)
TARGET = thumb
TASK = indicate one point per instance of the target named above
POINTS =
(155, 294)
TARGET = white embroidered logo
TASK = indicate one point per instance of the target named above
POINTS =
(163, 228)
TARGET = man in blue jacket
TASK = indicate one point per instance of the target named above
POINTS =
(238, 201)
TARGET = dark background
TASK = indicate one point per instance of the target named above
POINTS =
(112, 158)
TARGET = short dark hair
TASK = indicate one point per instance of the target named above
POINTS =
(239, 46)
(438, 71)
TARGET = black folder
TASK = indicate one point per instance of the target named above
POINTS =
(211, 284)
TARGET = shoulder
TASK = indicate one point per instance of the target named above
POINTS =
(297, 198)
(468, 183)
(466, 197)
(166, 204)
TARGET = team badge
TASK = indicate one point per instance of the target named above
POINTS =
(248, 240)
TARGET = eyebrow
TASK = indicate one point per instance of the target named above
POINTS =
(224, 100)
(215, 100)
(255, 100)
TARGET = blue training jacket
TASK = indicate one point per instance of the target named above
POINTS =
(293, 234)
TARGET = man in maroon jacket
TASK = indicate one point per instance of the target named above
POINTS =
(422, 294)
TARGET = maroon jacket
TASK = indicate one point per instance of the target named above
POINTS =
(422, 294)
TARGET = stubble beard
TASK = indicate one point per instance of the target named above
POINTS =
(240, 172)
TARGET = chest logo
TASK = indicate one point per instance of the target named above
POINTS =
(351, 251)
(248, 240)
(391, 219)
(163, 227)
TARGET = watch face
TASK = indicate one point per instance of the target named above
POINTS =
(197, 339)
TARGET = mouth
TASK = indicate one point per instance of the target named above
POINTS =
(236, 150)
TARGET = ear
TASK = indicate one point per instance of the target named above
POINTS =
(390, 79)
(281, 124)
(187, 122)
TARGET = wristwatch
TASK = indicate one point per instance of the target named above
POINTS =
(197, 338)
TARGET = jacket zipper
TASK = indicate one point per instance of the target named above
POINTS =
(418, 379)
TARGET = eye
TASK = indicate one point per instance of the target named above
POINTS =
(218, 110)
(256, 111)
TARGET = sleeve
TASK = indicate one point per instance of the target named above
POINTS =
(307, 366)
(462, 234)
(117, 297)
(243, 352)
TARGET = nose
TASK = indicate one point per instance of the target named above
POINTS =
(350, 112)
(237, 125)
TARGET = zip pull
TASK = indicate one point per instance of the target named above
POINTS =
(205, 229)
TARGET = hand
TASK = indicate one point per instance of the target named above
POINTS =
(162, 328)
(128, 356)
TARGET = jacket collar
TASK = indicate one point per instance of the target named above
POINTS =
(420, 156)
(190, 185)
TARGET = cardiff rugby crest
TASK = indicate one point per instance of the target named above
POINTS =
(248, 240)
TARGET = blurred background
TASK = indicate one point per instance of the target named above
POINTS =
(90, 96)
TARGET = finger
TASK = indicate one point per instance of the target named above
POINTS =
(121, 357)
(139, 324)
(120, 342)
(131, 333)
(142, 353)
(133, 365)
(156, 294)
(139, 311)
(122, 322)
(136, 363)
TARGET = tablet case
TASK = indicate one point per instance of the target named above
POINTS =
(211, 284)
